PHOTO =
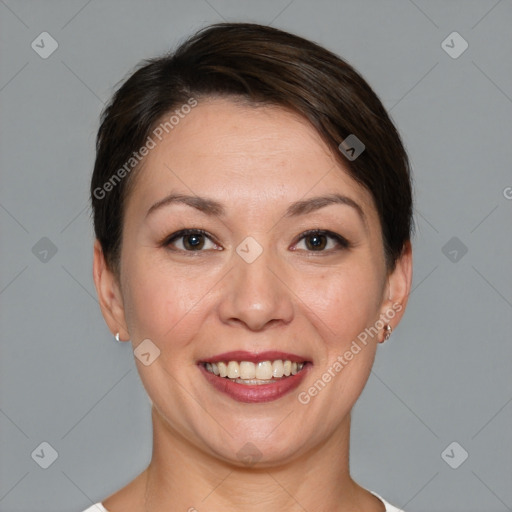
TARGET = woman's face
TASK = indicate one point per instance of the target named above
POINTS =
(254, 181)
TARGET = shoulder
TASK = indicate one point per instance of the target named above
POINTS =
(97, 507)
(389, 507)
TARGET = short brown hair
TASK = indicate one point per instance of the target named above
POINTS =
(263, 65)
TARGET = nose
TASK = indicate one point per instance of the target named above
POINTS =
(255, 294)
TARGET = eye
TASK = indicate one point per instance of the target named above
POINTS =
(321, 241)
(191, 240)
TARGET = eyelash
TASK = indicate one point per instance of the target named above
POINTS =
(342, 242)
(183, 233)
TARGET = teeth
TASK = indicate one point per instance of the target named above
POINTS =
(223, 369)
(277, 369)
(233, 370)
(246, 372)
(264, 370)
(253, 382)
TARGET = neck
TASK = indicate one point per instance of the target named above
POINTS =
(183, 477)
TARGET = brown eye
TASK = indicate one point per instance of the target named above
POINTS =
(190, 240)
(322, 241)
(193, 242)
(316, 242)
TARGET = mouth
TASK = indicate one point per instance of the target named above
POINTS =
(249, 373)
(249, 377)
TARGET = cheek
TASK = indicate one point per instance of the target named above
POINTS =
(342, 304)
(163, 303)
(344, 301)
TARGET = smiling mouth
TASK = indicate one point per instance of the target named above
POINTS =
(249, 373)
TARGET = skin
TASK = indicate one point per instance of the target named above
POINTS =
(255, 161)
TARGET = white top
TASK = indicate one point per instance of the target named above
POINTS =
(98, 507)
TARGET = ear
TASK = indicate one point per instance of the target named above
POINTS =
(109, 294)
(397, 290)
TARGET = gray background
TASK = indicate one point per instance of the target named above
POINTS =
(444, 375)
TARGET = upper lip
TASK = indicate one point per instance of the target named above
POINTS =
(254, 357)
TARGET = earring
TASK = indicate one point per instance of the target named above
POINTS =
(387, 332)
(117, 337)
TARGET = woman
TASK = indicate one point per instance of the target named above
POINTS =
(252, 209)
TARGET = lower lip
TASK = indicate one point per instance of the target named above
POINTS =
(255, 393)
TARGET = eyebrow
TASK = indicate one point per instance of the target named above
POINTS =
(315, 203)
(208, 206)
(214, 208)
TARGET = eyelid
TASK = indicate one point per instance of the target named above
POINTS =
(168, 240)
(340, 240)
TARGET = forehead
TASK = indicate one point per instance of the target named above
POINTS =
(245, 154)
